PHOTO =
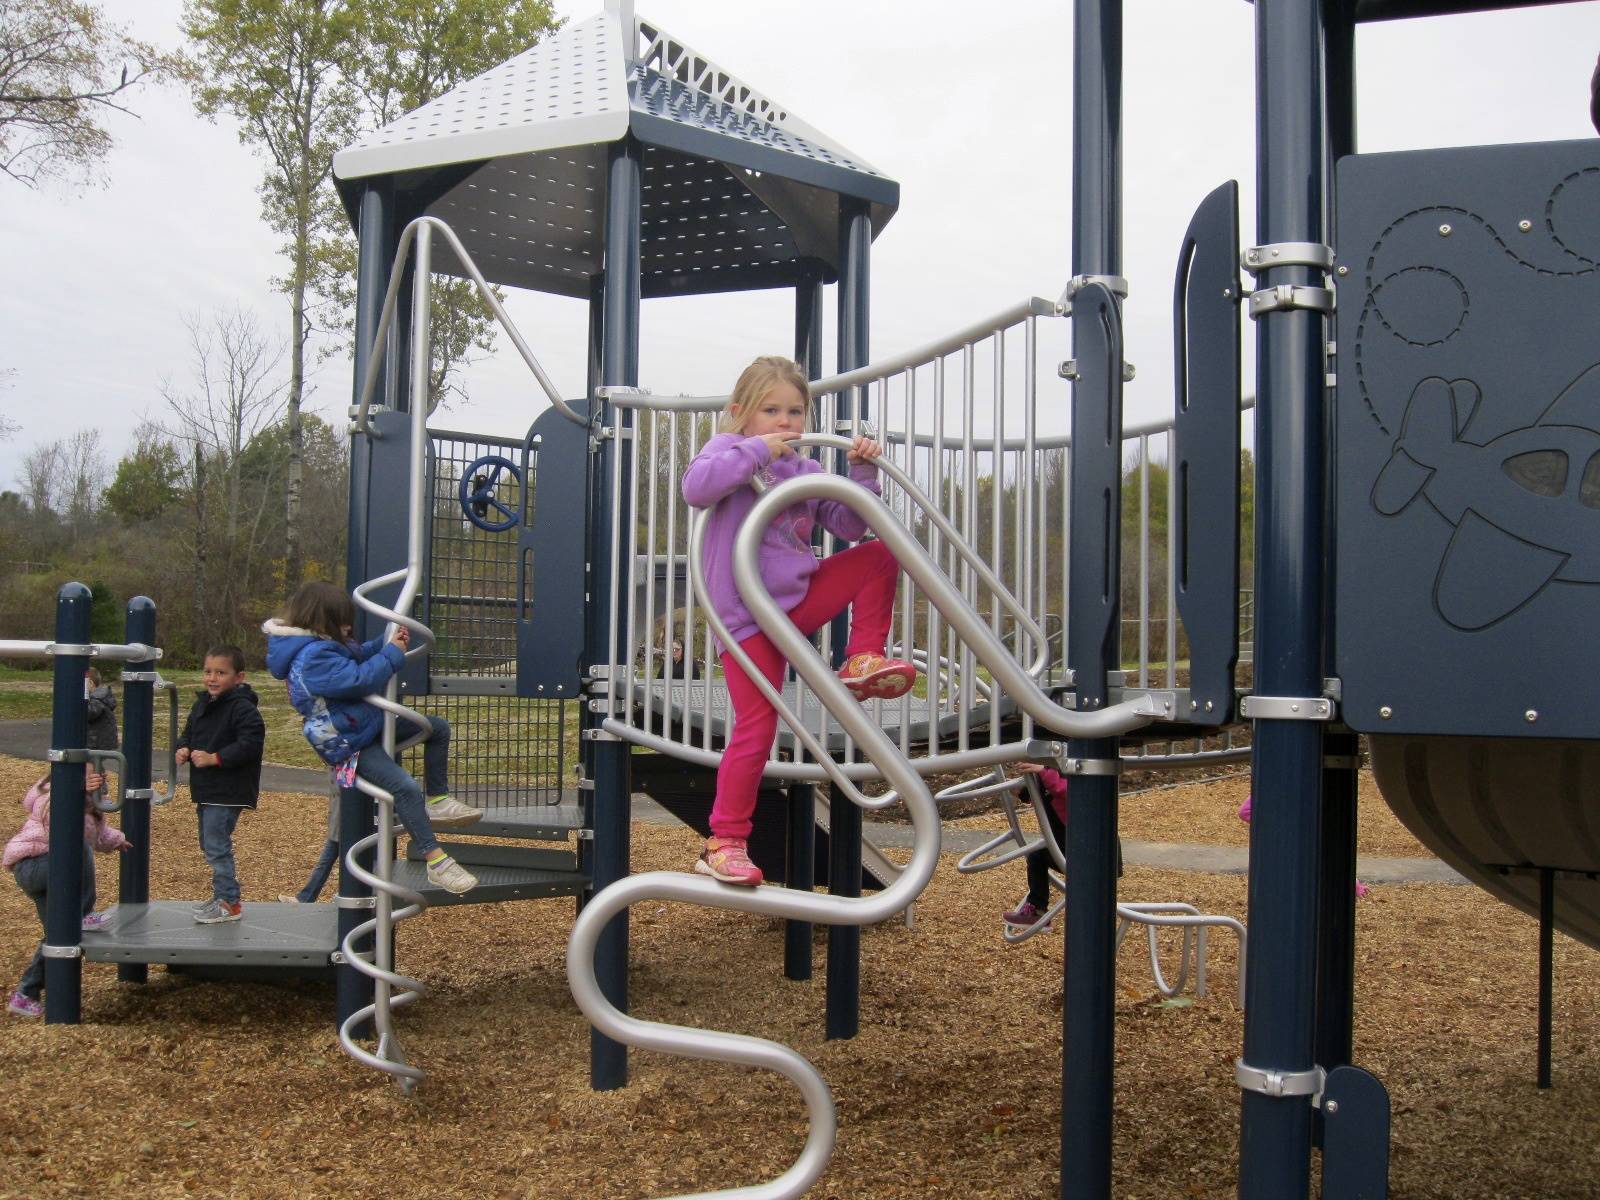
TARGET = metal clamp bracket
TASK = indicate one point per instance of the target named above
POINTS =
(1115, 284)
(1288, 296)
(1090, 766)
(67, 756)
(1286, 708)
(48, 951)
(1287, 254)
(139, 794)
(600, 735)
(363, 902)
(70, 648)
(1279, 1084)
(1341, 762)
(142, 677)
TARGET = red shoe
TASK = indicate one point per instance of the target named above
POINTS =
(728, 860)
(873, 677)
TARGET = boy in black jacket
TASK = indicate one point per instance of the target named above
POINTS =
(222, 741)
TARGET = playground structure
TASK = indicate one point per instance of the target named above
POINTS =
(1421, 499)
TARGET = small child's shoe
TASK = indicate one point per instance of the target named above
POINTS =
(24, 1006)
(873, 677)
(451, 876)
(446, 812)
(728, 860)
(219, 911)
(96, 920)
(1024, 916)
(285, 898)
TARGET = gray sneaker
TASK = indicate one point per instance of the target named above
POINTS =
(451, 876)
(447, 812)
(218, 911)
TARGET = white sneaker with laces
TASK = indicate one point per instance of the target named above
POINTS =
(451, 876)
(447, 812)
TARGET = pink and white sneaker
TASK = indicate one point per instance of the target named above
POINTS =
(728, 860)
(873, 677)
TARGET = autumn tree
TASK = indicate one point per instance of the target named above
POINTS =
(64, 68)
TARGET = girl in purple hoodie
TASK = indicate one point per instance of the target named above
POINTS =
(766, 412)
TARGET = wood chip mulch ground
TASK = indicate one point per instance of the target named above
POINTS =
(185, 1088)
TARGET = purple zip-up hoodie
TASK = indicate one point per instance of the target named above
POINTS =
(720, 476)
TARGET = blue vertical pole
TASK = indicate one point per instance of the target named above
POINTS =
(138, 720)
(1280, 985)
(800, 869)
(843, 1018)
(1093, 648)
(374, 261)
(592, 378)
(1336, 921)
(613, 784)
(69, 730)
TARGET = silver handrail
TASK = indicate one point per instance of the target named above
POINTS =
(159, 796)
(375, 360)
(114, 651)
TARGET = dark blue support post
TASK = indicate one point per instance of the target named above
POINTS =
(1336, 921)
(375, 259)
(69, 730)
(1280, 999)
(800, 867)
(844, 822)
(592, 377)
(1093, 628)
(613, 783)
(138, 721)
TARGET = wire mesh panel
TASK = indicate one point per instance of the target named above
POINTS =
(507, 751)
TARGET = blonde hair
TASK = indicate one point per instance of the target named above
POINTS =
(755, 381)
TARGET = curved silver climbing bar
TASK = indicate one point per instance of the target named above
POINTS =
(871, 740)
(427, 225)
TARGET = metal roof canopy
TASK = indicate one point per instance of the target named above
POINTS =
(738, 193)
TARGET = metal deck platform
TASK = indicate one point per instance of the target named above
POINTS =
(495, 883)
(890, 714)
(509, 818)
(268, 935)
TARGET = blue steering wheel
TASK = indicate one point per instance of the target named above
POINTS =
(478, 483)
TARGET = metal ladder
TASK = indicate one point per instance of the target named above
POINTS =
(897, 770)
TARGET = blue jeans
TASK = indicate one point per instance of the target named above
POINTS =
(329, 855)
(377, 767)
(33, 877)
(216, 843)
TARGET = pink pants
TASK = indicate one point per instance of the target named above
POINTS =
(862, 578)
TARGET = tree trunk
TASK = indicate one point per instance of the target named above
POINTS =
(200, 623)
(292, 565)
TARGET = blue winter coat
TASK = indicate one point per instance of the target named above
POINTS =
(327, 680)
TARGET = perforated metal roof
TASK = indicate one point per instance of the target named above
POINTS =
(738, 191)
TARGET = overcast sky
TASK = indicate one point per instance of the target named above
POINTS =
(967, 107)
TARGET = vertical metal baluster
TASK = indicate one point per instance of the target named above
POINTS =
(1027, 491)
(1172, 564)
(622, 540)
(996, 538)
(969, 521)
(671, 597)
(908, 596)
(646, 479)
(1144, 560)
(937, 679)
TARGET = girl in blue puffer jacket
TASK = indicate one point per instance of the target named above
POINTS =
(329, 676)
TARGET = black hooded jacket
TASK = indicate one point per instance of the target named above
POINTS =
(231, 727)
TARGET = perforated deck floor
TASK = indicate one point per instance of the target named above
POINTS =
(268, 935)
(494, 883)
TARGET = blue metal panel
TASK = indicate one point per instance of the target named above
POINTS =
(550, 550)
(69, 730)
(388, 468)
(1355, 1138)
(1206, 451)
(1469, 438)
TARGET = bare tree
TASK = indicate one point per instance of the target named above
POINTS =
(234, 392)
(41, 477)
(83, 475)
(59, 64)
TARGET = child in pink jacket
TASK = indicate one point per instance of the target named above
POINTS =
(27, 855)
(1037, 901)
